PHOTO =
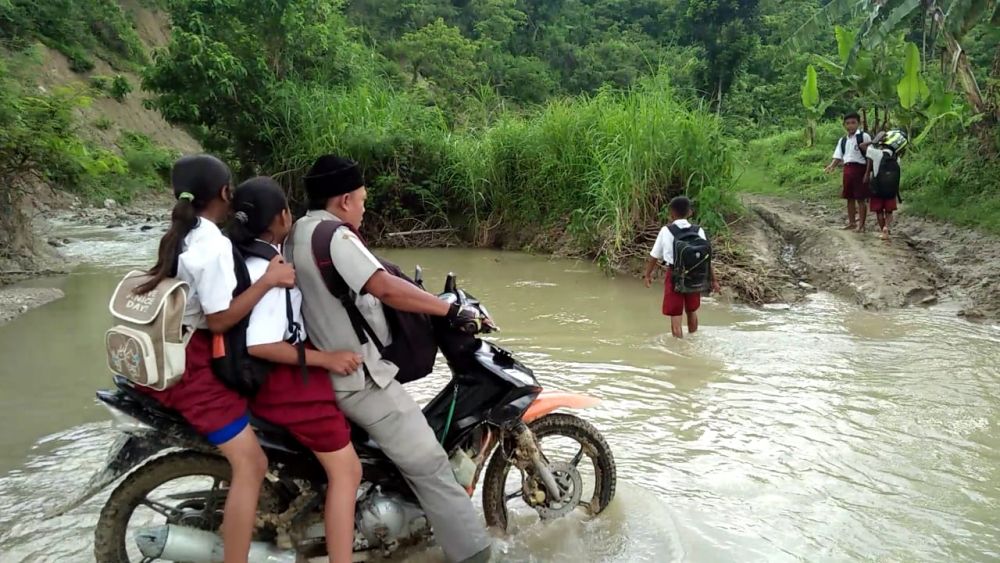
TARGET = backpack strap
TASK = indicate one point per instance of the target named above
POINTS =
(295, 335)
(677, 231)
(263, 250)
(321, 239)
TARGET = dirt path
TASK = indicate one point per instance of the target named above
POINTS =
(926, 262)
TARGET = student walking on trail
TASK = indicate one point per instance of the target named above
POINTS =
(685, 250)
(848, 154)
(883, 175)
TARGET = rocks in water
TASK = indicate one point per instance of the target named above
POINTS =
(145, 228)
(114, 226)
(110, 204)
(807, 286)
(55, 243)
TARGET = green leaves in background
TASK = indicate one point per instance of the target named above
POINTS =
(912, 89)
(810, 89)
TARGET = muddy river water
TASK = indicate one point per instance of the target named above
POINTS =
(819, 432)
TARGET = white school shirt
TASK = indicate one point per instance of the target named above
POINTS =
(663, 248)
(876, 155)
(852, 153)
(206, 264)
(269, 319)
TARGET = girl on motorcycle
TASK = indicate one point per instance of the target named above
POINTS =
(297, 397)
(194, 250)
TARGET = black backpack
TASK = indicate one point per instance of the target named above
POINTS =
(414, 347)
(692, 267)
(231, 362)
(859, 137)
(885, 184)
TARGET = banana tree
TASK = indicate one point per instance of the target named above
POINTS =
(869, 81)
(815, 108)
(947, 21)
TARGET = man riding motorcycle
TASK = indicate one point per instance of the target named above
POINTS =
(372, 397)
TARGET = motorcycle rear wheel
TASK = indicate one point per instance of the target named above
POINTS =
(592, 445)
(111, 533)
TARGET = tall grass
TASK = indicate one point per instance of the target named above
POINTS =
(601, 167)
(605, 165)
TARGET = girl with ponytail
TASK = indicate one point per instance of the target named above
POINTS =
(303, 402)
(194, 250)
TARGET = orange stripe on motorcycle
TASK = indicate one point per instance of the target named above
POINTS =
(549, 401)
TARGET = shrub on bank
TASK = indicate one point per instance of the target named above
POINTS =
(601, 167)
(606, 164)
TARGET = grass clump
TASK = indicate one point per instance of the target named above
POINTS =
(600, 168)
(607, 165)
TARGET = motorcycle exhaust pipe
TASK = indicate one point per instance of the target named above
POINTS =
(181, 543)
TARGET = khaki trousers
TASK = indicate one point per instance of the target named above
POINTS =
(394, 420)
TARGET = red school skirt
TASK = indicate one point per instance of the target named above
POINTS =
(676, 304)
(854, 185)
(214, 410)
(306, 407)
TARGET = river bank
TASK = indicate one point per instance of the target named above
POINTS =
(778, 251)
(53, 216)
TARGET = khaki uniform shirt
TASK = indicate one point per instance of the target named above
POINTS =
(326, 320)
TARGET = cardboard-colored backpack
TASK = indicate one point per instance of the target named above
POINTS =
(147, 344)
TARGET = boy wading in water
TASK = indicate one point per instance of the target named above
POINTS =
(855, 186)
(685, 250)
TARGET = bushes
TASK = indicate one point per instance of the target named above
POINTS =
(955, 178)
(117, 87)
(76, 28)
(608, 164)
(604, 165)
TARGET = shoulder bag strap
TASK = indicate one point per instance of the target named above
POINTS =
(321, 239)
(295, 338)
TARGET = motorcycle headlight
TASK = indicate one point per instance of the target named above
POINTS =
(126, 423)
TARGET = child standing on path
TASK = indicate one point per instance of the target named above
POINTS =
(855, 187)
(684, 248)
(884, 174)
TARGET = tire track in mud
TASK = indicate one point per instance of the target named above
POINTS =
(925, 263)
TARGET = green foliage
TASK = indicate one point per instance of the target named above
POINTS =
(726, 31)
(810, 89)
(120, 88)
(103, 124)
(440, 54)
(912, 88)
(811, 101)
(607, 164)
(117, 87)
(226, 59)
(76, 28)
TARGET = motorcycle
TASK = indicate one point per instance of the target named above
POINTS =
(492, 415)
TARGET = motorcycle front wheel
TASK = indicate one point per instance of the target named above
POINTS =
(185, 488)
(565, 441)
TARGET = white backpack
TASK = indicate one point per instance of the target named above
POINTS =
(147, 345)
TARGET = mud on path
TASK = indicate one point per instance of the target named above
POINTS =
(925, 263)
